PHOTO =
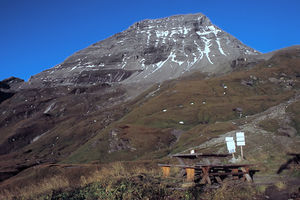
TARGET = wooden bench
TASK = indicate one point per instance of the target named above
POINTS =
(206, 172)
(190, 170)
(166, 169)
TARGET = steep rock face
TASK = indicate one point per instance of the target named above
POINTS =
(8, 86)
(150, 51)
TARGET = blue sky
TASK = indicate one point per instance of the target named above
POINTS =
(38, 34)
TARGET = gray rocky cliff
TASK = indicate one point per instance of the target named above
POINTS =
(149, 51)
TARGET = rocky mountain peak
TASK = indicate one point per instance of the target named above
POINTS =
(150, 51)
(178, 21)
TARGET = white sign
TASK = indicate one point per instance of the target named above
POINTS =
(228, 139)
(230, 144)
(240, 139)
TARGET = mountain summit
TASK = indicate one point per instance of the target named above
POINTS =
(150, 51)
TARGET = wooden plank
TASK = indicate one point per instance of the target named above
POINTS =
(166, 165)
(190, 174)
(205, 176)
(225, 165)
(235, 173)
(197, 166)
(166, 171)
(196, 155)
(182, 166)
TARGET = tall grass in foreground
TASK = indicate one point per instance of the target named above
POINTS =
(121, 180)
(30, 191)
(106, 175)
(117, 170)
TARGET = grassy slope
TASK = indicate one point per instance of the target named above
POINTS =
(201, 121)
(74, 119)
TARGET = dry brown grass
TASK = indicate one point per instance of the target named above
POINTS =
(30, 191)
(232, 190)
(118, 170)
(72, 176)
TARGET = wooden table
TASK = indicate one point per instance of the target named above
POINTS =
(186, 159)
(189, 159)
(218, 171)
(208, 172)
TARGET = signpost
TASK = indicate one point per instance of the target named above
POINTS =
(240, 141)
(230, 145)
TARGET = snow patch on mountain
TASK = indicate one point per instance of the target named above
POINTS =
(151, 51)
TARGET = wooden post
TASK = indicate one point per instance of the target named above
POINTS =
(190, 174)
(233, 156)
(166, 171)
(246, 175)
(235, 172)
(242, 154)
(205, 175)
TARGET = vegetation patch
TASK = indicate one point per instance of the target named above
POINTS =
(202, 133)
(270, 125)
(294, 110)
